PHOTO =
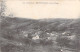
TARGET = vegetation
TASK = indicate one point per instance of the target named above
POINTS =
(44, 35)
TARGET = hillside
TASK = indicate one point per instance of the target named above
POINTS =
(17, 33)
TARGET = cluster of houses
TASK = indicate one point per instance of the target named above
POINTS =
(39, 35)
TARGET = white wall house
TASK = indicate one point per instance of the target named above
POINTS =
(73, 37)
(35, 37)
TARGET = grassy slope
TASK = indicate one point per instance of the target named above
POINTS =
(10, 27)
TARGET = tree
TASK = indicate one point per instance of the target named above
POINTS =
(3, 7)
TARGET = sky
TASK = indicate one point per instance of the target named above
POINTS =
(40, 9)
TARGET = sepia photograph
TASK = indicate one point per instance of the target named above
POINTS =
(39, 25)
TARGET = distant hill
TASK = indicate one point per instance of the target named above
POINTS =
(43, 25)
(46, 25)
(74, 26)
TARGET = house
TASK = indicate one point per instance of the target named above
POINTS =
(72, 37)
(35, 37)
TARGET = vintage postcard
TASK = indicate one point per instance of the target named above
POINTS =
(39, 25)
